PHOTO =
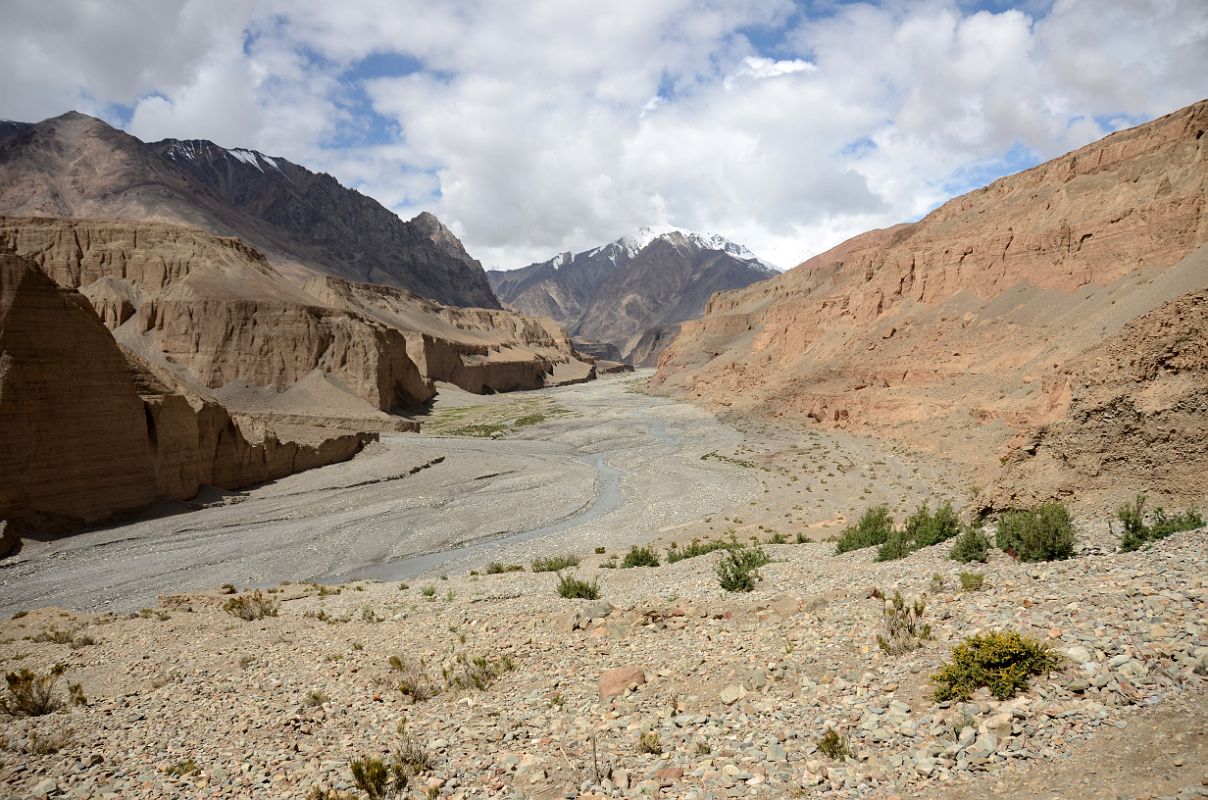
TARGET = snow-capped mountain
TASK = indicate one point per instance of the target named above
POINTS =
(613, 293)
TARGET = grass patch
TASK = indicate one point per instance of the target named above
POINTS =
(499, 568)
(649, 742)
(640, 557)
(182, 768)
(697, 548)
(1002, 661)
(972, 581)
(573, 588)
(478, 672)
(414, 682)
(555, 563)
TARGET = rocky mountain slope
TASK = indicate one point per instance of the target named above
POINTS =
(306, 223)
(90, 432)
(215, 316)
(614, 293)
(991, 329)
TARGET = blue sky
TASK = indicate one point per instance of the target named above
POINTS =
(547, 125)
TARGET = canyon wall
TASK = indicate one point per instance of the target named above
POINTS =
(89, 433)
(961, 333)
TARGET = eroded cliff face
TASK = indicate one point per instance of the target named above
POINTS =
(480, 350)
(90, 433)
(215, 308)
(1137, 420)
(74, 446)
(956, 333)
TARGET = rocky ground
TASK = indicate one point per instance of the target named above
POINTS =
(665, 686)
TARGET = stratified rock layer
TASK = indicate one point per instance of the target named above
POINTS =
(954, 333)
(89, 433)
(74, 447)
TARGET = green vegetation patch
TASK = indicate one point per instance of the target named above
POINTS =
(1002, 661)
(1139, 528)
(1041, 533)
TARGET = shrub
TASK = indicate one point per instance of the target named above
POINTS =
(640, 557)
(926, 529)
(252, 606)
(898, 545)
(873, 529)
(31, 694)
(802, 539)
(414, 681)
(428, 591)
(1137, 532)
(902, 625)
(1002, 661)
(476, 673)
(75, 693)
(183, 768)
(778, 538)
(498, 568)
(696, 548)
(649, 742)
(554, 563)
(972, 581)
(377, 779)
(572, 588)
(971, 545)
(1041, 533)
(738, 569)
(601, 551)
(834, 746)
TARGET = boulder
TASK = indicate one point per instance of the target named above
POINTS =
(617, 681)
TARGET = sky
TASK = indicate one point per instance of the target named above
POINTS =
(532, 127)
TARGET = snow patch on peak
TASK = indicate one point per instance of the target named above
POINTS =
(560, 260)
(642, 238)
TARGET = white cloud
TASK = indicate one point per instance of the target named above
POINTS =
(549, 125)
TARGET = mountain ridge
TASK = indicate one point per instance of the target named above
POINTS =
(615, 292)
(307, 222)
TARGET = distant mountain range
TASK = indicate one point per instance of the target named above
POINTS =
(617, 292)
(306, 222)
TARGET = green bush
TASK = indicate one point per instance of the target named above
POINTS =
(697, 548)
(898, 545)
(1001, 661)
(1138, 532)
(833, 746)
(971, 545)
(1041, 533)
(738, 569)
(554, 563)
(925, 528)
(572, 588)
(873, 529)
(640, 557)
